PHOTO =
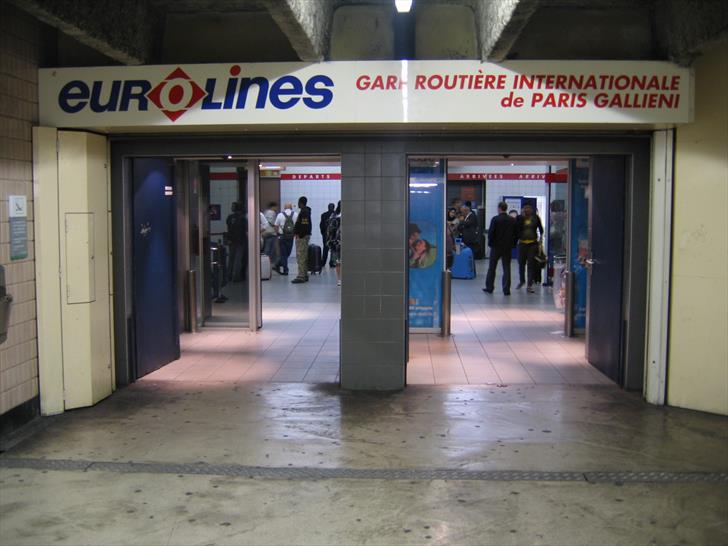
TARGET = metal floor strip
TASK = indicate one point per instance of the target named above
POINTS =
(306, 473)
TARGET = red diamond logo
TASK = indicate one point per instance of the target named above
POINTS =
(176, 94)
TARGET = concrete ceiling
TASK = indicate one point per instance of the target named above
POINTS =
(176, 31)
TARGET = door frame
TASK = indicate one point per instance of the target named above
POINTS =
(255, 292)
(635, 145)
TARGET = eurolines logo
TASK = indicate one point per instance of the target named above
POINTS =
(178, 93)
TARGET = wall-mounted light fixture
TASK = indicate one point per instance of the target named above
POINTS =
(403, 6)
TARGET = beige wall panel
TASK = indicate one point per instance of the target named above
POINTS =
(698, 359)
(50, 342)
(83, 191)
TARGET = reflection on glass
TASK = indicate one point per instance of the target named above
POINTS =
(557, 240)
(224, 220)
(579, 239)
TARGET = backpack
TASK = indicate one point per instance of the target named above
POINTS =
(288, 225)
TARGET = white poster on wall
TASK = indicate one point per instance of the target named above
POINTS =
(375, 92)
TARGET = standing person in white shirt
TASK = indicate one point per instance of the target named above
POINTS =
(268, 230)
(285, 223)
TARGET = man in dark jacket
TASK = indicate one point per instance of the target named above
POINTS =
(302, 232)
(324, 226)
(502, 237)
(469, 229)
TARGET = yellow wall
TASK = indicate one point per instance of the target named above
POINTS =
(698, 358)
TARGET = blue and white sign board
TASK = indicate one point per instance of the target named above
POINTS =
(398, 93)
(426, 247)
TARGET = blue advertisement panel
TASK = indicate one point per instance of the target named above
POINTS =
(580, 239)
(426, 251)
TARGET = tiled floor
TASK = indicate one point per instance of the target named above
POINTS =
(495, 340)
(299, 341)
(503, 340)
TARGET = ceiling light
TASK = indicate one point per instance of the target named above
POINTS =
(403, 6)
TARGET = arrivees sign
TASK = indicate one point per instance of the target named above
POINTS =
(377, 92)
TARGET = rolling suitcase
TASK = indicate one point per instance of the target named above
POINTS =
(314, 259)
(463, 266)
(265, 269)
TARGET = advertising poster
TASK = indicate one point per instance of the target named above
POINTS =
(426, 245)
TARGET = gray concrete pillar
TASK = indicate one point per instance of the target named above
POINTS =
(374, 269)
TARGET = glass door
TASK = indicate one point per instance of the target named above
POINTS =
(223, 232)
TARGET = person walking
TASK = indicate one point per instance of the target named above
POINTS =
(502, 237)
(302, 232)
(323, 227)
(530, 231)
(285, 225)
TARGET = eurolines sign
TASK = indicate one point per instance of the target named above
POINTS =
(377, 92)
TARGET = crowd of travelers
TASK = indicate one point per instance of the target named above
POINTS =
(507, 230)
(292, 227)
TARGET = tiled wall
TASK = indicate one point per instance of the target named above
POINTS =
(373, 267)
(496, 189)
(19, 54)
(318, 192)
(223, 193)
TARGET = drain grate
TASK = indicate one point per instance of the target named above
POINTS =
(657, 477)
(307, 473)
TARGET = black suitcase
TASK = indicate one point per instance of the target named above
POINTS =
(314, 259)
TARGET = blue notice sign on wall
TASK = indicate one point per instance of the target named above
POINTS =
(426, 251)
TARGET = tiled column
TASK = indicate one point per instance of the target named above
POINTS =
(373, 306)
(20, 49)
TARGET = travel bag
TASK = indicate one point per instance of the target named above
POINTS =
(265, 268)
(314, 259)
(463, 266)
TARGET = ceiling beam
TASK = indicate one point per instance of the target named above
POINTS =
(500, 23)
(306, 24)
(685, 27)
(124, 30)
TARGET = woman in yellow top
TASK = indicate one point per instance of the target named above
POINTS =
(530, 231)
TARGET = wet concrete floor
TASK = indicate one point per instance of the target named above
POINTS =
(528, 428)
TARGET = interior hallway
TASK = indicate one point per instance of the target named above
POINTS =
(495, 340)
(299, 341)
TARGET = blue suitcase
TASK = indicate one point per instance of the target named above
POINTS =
(463, 266)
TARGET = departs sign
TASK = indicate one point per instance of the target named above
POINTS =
(377, 92)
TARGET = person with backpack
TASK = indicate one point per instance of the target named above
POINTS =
(285, 225)
(302, 231)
